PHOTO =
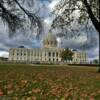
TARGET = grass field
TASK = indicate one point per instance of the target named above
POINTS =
(32, 82)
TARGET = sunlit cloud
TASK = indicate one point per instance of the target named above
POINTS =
(53, 4)
(47, 21)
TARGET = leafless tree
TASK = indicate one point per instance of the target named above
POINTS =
(14, 14)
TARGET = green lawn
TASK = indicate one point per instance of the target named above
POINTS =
(49, 82)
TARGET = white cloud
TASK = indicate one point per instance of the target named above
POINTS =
(59, 41)
(53, 4)
(4, 54)
(47, 21)
(93, 54)
(80, 39)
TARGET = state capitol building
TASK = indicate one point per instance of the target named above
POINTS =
(50, 52)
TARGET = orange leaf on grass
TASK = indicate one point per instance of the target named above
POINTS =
(36, 90)
(1, 92)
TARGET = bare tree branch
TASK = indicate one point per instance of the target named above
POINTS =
(13, 16)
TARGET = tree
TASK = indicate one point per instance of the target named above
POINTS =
(88, 12)
(66, 54)
(15, 15)
(86, 9)
(95, 61)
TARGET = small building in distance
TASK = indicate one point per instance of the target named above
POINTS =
(50, 52)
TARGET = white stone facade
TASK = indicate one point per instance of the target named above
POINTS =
(80, 57)
(31, 55)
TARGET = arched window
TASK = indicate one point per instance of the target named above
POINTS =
(49, 53)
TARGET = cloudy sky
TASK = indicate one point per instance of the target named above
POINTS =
(29, 41)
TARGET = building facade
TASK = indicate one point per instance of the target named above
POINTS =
(48, 53)
(80, 57)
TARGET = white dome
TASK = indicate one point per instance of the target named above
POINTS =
(50, 40)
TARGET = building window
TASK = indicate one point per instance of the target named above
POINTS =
(57, 54)
(49, 59)
(17, 53)
(45, 53)
(53, 59)
(49, 53)
(13, 53)
(21, 54)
